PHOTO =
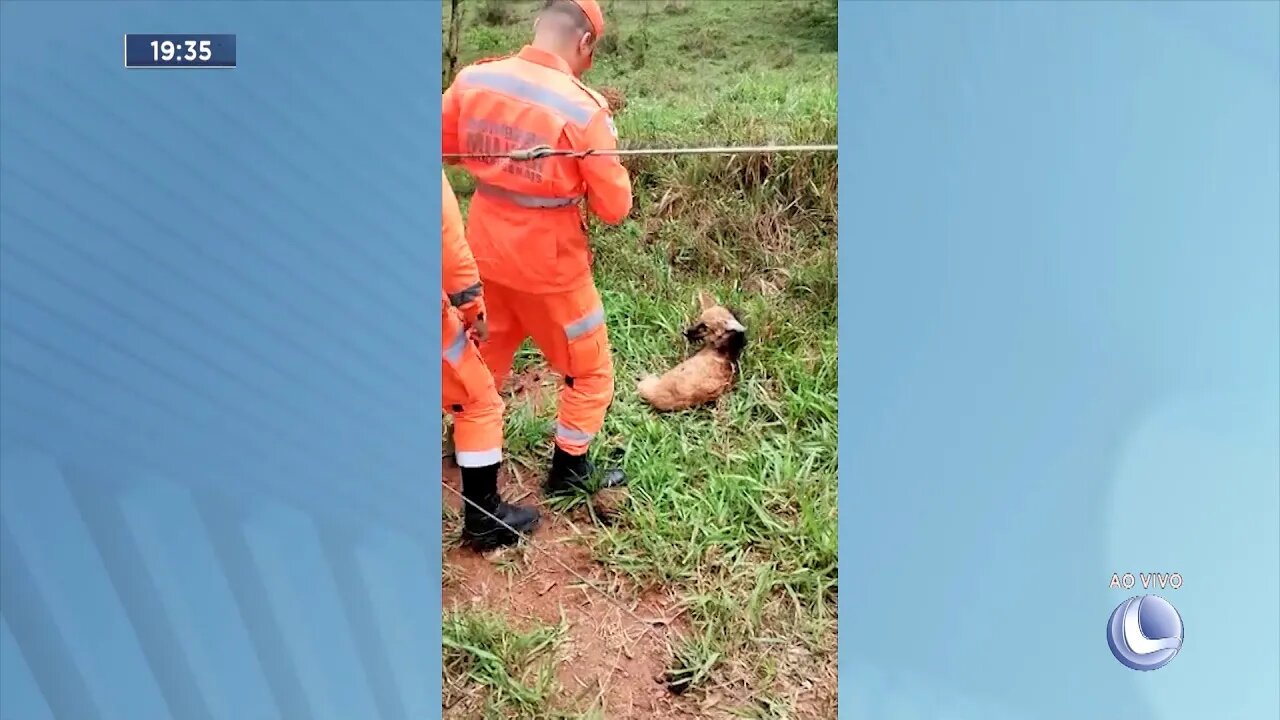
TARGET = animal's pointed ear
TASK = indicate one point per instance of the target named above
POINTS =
(705, 301)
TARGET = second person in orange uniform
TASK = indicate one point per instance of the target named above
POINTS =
(469, 394)
(526, 225)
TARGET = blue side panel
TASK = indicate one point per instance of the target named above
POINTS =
(397, 575)
(190, 588)
(50, 560)
(219, 424)
(22, 696)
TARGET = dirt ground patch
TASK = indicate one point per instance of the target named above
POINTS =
(535, 385)
(609, 659)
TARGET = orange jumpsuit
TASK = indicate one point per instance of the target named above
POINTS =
(469, 394)
(527, 228)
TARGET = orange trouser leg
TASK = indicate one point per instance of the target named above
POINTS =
(470, 397)
(506, 332)
(569, 330)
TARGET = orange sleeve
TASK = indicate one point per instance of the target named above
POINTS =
(608, 185)
(458, 266)
(449, 142)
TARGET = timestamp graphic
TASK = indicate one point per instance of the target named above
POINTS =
(179, 51)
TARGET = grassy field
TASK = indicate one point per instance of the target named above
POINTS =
(732, 509)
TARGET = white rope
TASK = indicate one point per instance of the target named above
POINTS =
(542, 151)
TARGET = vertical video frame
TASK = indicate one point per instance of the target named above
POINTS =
(639, 358)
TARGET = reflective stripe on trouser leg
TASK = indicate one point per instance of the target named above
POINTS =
(583, 403)
(572, 436)
(478, 458)
(468, 394)
(584, 325)
(477, 427)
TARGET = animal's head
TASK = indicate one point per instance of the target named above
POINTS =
(717, 327)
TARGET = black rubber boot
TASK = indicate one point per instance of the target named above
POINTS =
(479, 530)
(575, 473)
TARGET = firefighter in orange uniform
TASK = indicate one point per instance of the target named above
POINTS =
(526, 225)
(469, 394)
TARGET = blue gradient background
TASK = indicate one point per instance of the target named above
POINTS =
(218, 340)
(1060, 325)
(218, 421)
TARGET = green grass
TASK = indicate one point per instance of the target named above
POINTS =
(733, 506)
(514, 670)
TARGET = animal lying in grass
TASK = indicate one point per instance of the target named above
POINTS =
(706, 375)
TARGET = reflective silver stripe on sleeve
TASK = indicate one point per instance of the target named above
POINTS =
(571, 435)
(526, 200)
(464, 296)
(453, 353)
(578, 328)
(527, 91)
